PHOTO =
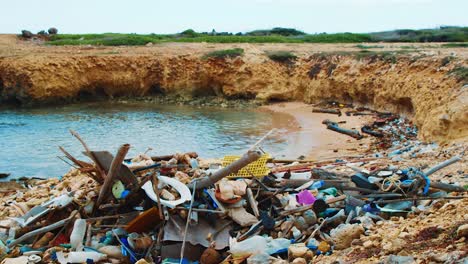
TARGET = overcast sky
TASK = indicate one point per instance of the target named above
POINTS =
(171, 16)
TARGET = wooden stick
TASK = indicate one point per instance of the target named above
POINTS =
(114, 168)
(100, 171)
(245, 160)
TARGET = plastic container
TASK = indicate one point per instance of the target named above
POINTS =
(77, 235)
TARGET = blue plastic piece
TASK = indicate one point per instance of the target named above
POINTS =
(124, 194)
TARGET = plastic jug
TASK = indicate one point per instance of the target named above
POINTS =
(77, 235)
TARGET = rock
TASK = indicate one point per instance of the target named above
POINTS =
(462, 231)
(210, 256)
(344, 234)
(52, 31)
(394, 259)
(299, 261)
(297, 250)
(368, 244)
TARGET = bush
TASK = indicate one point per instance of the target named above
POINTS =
(26, 34)
(52, 31)
(42, 33)
(461, 73)
(228, 53)
(189, 33)
(281, 56)
(369, 47)
(455, 45)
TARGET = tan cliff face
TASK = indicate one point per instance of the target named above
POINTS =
(420, 87)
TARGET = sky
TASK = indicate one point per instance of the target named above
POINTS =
(172, 16)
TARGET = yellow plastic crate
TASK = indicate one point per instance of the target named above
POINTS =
(257, 168)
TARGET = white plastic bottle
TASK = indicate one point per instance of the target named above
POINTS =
(78, 234)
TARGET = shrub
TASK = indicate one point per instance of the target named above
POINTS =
(221, 54)
(42, 33)
(369, 46)
(455, 45)
(281, 56)
(52, 31)
(26, 34)
(461, 73)
(189, 33)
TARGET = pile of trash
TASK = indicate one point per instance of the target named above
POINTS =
(181, 208)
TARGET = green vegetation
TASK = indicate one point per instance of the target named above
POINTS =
(408, 47)
(221, 54)
(369, 46)
(455, 45)
(276, 31)
(461, 73)
(281, 56)
(442, 34)
(275, 35)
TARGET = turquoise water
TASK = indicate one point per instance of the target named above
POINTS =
(29, 138)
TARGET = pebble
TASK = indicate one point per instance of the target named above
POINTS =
(368, 244)
(462, 231)
(299, 261)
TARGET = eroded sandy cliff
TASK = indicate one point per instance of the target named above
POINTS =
(418, 85)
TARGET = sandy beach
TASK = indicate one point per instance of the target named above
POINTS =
(307, 136)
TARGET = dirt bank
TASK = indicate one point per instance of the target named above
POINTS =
(417, 83)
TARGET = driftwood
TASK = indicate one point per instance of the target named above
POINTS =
(327, 111)
(100, 171)
(124, 173)
(245, 160)
(113, 172)
(334, 126)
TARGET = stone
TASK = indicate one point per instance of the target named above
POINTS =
(462, 231)
(297, 250)
(394, 259)
(344, 234)
(299, 261)
(368, 244)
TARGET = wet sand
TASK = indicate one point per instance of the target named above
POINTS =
(307, 136)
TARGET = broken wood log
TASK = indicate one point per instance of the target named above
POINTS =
(327, 111)
(368, 130)
(335, 127)
(246, 159)
(113, 172)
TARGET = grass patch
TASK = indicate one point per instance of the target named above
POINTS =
(281, 56)
(275, 35)
(369, 46)
(455, 45)
(408, 47)
(221, 54)
(461, 73)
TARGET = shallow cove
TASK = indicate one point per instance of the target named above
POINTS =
(29, 138)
